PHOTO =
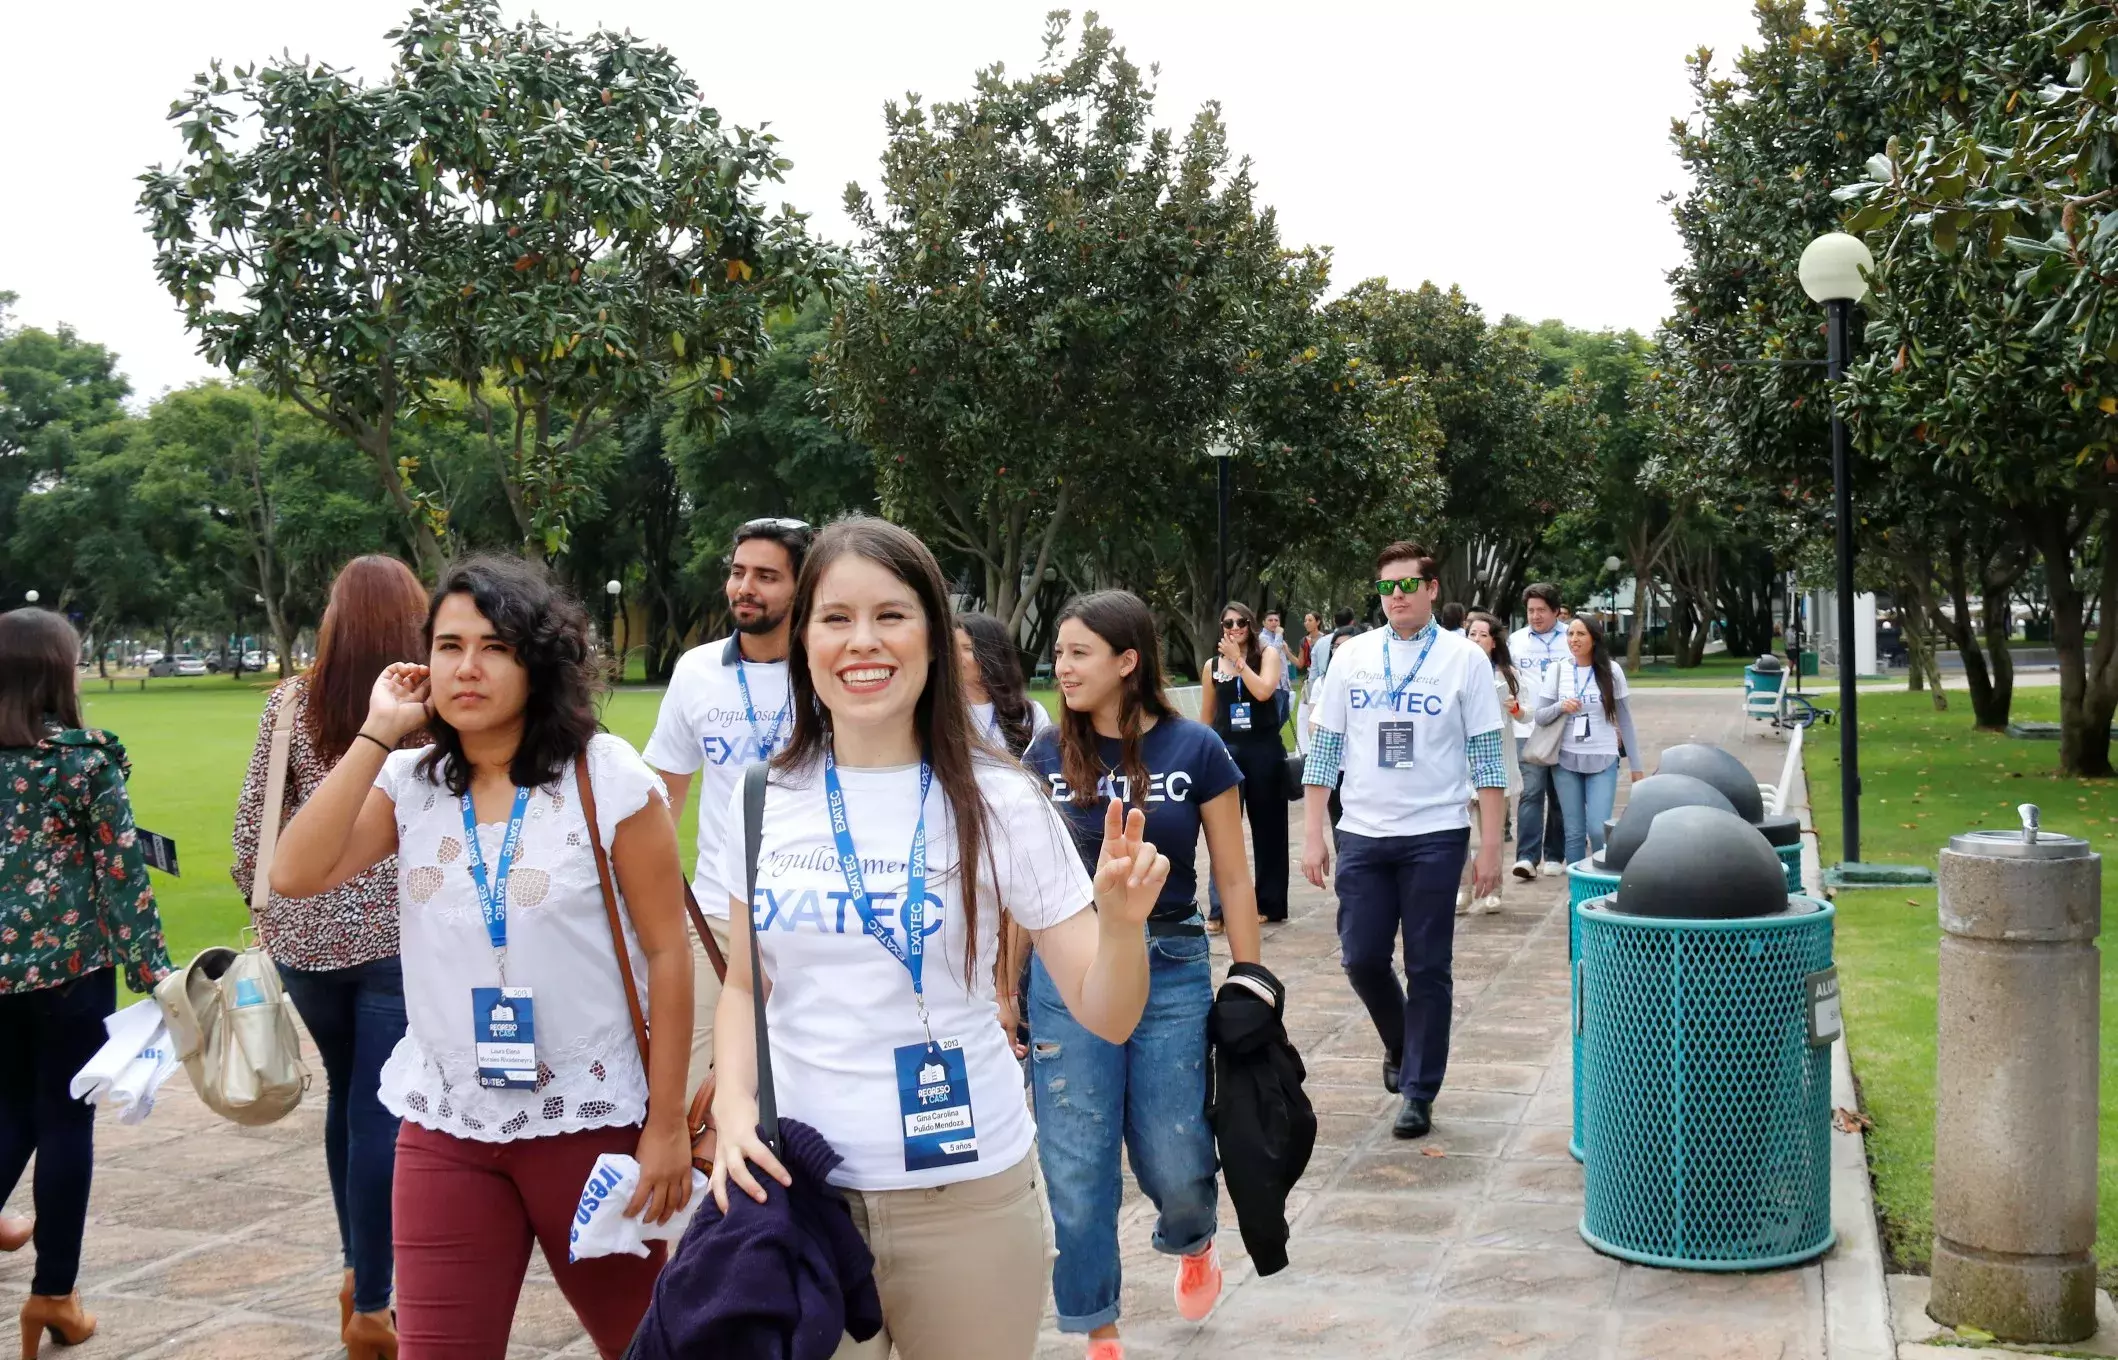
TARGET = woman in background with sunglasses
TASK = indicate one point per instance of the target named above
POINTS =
(1240, 701)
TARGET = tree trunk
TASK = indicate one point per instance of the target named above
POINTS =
(1997, 624)
(2085, 698)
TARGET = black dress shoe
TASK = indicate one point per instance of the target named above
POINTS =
(1391, 1062)
(1414, 1119)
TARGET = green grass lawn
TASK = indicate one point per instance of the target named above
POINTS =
(1926, 776)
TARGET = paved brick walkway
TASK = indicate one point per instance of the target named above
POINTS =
(212, 1241)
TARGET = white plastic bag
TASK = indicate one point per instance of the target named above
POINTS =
(130, 1068)
(600, 1226)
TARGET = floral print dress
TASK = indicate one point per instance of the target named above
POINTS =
(74, 896)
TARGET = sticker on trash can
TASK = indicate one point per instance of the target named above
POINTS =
(1823, 990)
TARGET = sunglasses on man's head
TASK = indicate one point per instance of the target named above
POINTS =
(1229, 625)
(1407, 584)
(778, 522)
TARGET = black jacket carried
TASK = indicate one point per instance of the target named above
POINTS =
(1262, 1121)
(782, 1280)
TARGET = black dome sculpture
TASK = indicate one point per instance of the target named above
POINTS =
(1652, 797)
(1720, 769)
(1702, 863)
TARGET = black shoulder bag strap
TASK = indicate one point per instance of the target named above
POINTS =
(768, 1115)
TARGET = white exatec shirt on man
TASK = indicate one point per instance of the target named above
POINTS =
(705, 729)
(558, 945)
(1534, 653)
(841, 1004)
(1449, 701)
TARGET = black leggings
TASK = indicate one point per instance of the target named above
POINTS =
(51, 1033)
(1264, 768)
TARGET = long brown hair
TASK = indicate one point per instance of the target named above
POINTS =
(1600, 663)
(1123, 620)
(941, 715)
(38, 653)
(1503, 660)
(1000, 671)
(376, 615)
(1253, 650)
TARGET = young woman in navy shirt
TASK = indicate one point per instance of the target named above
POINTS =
(1120, 738)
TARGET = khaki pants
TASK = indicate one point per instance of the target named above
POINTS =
(705, 996)
(963, 1270)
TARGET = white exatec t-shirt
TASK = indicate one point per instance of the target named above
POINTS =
(1447, 698)
(704, 729)
(987, 726)
(1535, 653)
(558, 945)
(1571, 680)
(841, 1005)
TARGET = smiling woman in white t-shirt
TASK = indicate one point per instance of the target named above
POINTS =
(914, 1087)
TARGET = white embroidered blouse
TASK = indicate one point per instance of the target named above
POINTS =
(558, 945)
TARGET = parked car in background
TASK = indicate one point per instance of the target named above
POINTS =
(149, 657)
(257, 661)
(181, 664)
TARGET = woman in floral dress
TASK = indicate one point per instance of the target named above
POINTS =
(74, 908)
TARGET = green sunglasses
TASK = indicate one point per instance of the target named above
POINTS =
(1407, 584)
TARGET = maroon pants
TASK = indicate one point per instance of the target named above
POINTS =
(465, 1214)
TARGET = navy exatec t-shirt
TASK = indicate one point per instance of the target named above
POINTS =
(1188, 765)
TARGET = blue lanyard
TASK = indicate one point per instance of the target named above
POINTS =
(770, 739)
(1393, 690)
(913, 953)
(1587, 674)
(1545, 643)
(492, 895)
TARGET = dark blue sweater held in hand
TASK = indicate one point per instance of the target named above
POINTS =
(782, 1280)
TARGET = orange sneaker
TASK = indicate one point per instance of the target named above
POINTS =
(1108, 1348)
(1198, 1284)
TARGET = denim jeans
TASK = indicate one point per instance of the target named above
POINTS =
(356, 1016)
(1538, 813)
(1585, 802)
(46, 1036)
(1150, 1092)
(1392, 886)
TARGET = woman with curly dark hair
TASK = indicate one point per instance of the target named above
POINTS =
(519, 1066)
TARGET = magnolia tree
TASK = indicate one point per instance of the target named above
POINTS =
(560, 225)
(1057, 303)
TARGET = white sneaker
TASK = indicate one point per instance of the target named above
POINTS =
(1525, 870)
(1463, 901)
(1552, 870)
(1489, 904)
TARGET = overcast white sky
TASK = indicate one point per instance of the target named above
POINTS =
(1519, 150)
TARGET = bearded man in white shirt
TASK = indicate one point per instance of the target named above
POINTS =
(726, 709)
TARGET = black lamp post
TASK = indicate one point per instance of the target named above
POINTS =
(1834, 272)
(610, 634)
(1222, 452)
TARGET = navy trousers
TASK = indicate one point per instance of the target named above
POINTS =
(1392, 887)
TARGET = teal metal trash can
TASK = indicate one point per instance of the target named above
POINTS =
(1585, 882)
(1705, 1107)
(1791, 861)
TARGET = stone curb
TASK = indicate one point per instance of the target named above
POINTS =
(1856, 1300)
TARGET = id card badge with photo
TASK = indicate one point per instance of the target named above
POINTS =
(1393, 742)
(934, 1096)
(1239, 717)
(1581, 726)
(504, 1030)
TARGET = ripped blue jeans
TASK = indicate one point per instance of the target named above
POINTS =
(1149, 1092)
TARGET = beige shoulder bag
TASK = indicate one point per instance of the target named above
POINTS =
(231, 1021)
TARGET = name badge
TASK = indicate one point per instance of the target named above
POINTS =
(934, 1096)
(1239, 717)
(1581, 727)
(1393, 742)
(504, 1034)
